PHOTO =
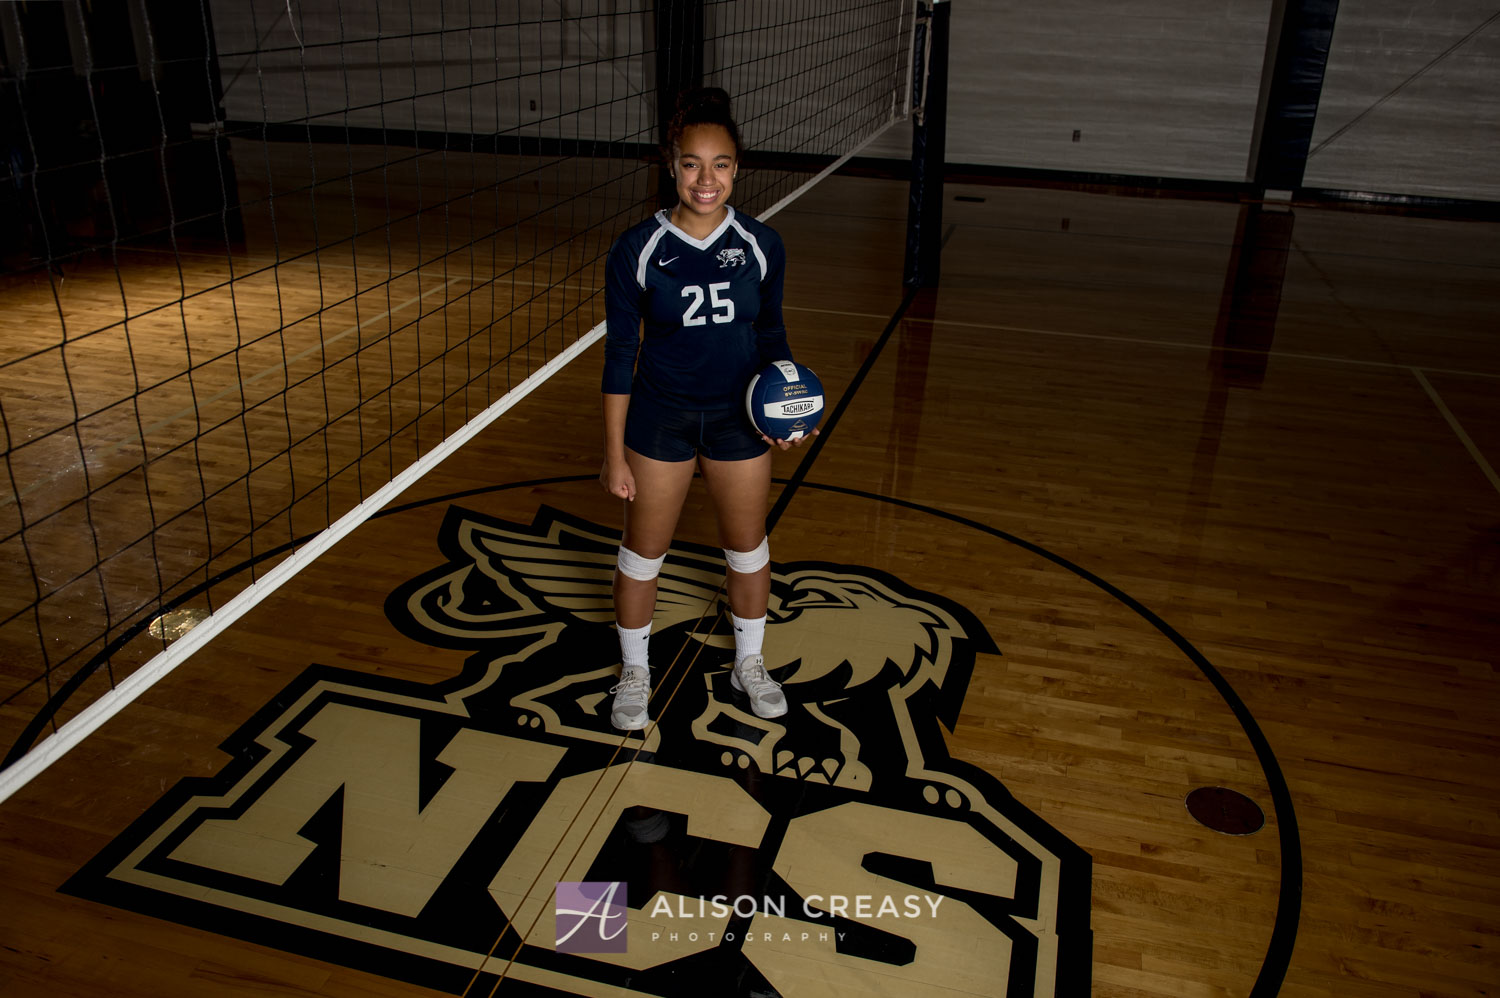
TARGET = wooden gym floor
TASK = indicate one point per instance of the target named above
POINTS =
(1097, 523)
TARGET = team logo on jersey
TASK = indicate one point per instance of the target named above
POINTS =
(731, 258)
(492, 829)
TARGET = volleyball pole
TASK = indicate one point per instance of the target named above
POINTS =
(929, 134)
(679, 67)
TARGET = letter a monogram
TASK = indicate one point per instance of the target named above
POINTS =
(581, 903)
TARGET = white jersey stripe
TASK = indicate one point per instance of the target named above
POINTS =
(665, 218)
(760, 257)
(645, 257)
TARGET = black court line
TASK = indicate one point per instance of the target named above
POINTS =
(1288, 909)
(825, 429)
(1289, 900)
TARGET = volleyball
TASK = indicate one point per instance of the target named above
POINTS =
(785, 400)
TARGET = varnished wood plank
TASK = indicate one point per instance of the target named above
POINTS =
(1319, 539)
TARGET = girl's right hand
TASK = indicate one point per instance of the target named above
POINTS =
(617, 479)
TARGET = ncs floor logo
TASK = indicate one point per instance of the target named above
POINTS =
(439, 833)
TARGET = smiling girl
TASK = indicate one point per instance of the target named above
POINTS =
(707, 282)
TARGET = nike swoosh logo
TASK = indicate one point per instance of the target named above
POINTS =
(663, 263)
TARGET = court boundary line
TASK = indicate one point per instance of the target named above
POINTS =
(1458, 428)
(826, 428)
(717, 618)
(714, 614)
(450, 497)
(1284, 929)
(626, 744)
(1143, 341)
(91, 718)
(1285, 924)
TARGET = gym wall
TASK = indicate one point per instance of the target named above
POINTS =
(1428, 119)
(1156, 88)
(1169, 88)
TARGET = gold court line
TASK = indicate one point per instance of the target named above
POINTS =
(1458, 428)
(635, 754)
(621, 746)
(1280, 354)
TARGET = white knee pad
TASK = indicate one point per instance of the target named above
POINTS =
(746, 562)
(640, 569)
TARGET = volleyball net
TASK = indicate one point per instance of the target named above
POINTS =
(275, 258)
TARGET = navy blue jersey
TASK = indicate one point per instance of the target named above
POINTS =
(712, 309)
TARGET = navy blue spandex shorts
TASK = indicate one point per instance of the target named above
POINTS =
(665, 433)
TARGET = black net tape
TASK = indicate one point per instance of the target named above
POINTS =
(268, 254)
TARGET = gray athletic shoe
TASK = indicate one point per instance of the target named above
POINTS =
(632, 693)
(749, 677)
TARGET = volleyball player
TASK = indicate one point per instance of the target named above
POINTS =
(707, 283)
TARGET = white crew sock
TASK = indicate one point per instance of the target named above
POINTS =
(633, 641)
(748, 636)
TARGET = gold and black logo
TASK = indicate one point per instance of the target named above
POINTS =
(418, 831)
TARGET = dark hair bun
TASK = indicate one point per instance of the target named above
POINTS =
(703, 100)
(701, 106)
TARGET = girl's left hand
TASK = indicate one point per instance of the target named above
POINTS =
(786, 444)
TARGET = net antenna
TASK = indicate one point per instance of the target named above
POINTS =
(304, 252)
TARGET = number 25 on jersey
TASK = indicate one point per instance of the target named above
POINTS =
(723, 308)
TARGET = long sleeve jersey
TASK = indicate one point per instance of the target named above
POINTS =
(712, 311)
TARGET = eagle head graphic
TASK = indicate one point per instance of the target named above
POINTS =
(850, 644)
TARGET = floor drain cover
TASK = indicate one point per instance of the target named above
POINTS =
(175, 623)
(1225, 810)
